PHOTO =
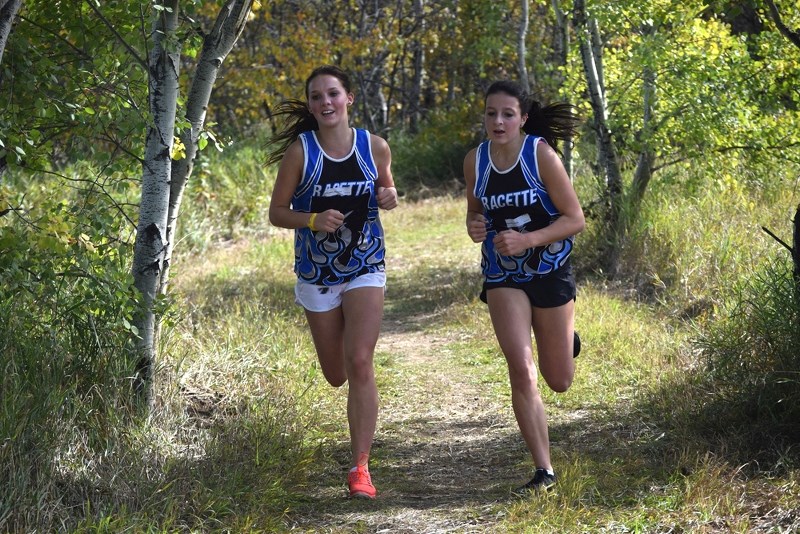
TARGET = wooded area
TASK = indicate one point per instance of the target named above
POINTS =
(108, 107)
(661, 84)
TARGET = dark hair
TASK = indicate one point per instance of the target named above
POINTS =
(299, 118)
(553, 122)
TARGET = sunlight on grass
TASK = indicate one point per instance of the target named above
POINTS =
(248, 436)
(632, 495)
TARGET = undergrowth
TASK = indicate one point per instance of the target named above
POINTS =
(243, 416)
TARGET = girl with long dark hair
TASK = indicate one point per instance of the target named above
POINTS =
(331, 182)
(522, 208)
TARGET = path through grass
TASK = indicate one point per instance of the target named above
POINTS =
(447, 449)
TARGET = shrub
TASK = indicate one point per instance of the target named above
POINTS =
(228, 194)
(65, 308)
(753, 353)
(433, 159)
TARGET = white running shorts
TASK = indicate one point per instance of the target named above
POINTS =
(316, 298)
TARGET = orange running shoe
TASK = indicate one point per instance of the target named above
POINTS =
(361, 483)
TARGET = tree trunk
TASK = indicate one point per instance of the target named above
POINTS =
(217, 45)
(644, 166)
(164, 180)
(8, 12)
(561, 47)
(591, 53)
(597, 51)
(522, 33)
(792, 35)
(151, 243)
(796, 249)
(418, 55)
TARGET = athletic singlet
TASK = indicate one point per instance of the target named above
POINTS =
(346, 185)
(516, 199)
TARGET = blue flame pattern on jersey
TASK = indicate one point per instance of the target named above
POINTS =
(347, 185)
(516, 199)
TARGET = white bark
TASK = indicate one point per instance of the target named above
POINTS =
(644, 166)
(164, 180)
(522, 33)
(217, 45)
(8, 11)
(591, 53)
(562, 51)
(597, 51)
(151, 232)
(593, 69)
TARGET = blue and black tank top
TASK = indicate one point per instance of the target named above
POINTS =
(516, 199)
(347, 185)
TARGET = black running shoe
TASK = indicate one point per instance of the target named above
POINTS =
(576, 345)
(542, 480)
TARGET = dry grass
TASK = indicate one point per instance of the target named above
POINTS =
(447, 449)
(251, 439)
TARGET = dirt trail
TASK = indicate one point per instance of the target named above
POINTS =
(443, 451)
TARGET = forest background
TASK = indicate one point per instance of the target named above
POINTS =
(119, 163)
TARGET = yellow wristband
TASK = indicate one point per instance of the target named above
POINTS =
(311, 222)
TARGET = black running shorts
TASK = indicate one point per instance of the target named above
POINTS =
(546, 291)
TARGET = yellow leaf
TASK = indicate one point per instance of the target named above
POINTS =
(178, 149)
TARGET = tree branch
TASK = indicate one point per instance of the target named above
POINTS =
(793, 36)
(778, 239)
(119, 37)
(724, 149)
(81, 53)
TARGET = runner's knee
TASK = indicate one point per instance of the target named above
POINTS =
(336, 378)
(360, 369)
(560, 382)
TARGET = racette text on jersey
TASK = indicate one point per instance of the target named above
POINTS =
(528, 197)
(343, 189)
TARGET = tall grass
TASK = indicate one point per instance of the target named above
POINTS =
(242, 416)
(696, 235)
(224, 445)
(753, 356)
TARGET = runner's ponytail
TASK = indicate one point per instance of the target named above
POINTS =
(554, 122)
(299, 119)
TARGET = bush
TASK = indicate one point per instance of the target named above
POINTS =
(753, 353)
(689, 243)
(228, 194)
(65, 308)
(433, 159)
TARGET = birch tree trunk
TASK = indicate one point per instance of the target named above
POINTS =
(418, 52)
(591, 53)
(522, 33)
(562, 53)
(217, 45)
(644, 165)
(150, 247)
(164, 180)
(8, 12)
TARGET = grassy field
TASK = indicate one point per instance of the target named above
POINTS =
(631, 454)
(248, 437)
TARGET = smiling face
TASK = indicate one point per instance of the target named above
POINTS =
(503, 118)
(327, 99)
